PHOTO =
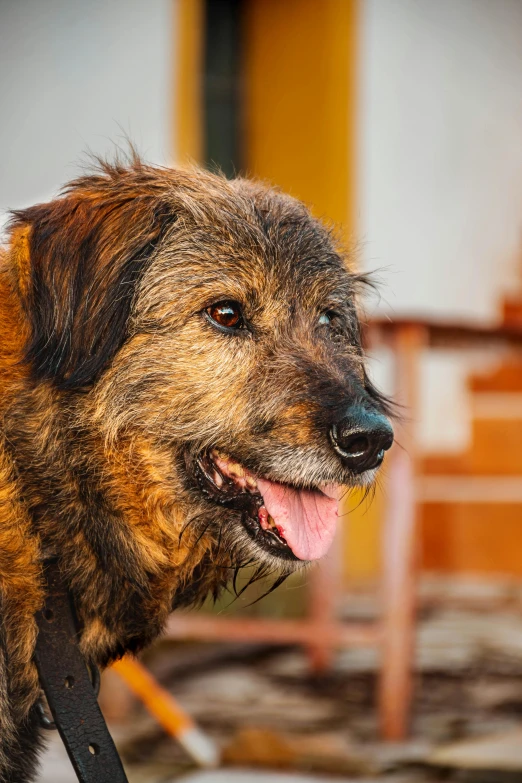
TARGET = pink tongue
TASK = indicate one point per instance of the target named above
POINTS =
(307, 520)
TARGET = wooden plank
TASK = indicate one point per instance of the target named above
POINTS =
(470, 490)
(497, 404)
(206, 626)
(506, 378)
(496, 446)
(169, 714)
(443, 333)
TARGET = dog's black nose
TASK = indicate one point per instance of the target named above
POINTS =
(361, 437)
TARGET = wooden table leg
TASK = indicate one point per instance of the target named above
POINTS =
(398, 601)
(323, 599)
(400, 546)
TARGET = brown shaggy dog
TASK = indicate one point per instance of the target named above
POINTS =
(182, 391)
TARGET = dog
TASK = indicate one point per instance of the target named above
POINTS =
(182, 392)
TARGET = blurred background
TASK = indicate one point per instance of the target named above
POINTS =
(400, 121)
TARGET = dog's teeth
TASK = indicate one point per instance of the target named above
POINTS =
(218, 479)
(263, 517)
(265, 520)
(251, 482)
(281, 532)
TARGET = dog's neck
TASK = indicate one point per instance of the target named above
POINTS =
(105, 515)
(115, 533)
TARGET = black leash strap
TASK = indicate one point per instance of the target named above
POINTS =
(66, 683)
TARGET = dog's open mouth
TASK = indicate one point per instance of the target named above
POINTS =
(296, 524)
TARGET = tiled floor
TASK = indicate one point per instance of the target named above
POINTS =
(56, 767)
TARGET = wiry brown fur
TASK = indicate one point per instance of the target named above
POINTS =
(112, 381)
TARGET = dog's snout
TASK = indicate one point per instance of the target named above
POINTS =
(361, 437)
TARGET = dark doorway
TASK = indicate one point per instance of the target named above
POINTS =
(222, 86)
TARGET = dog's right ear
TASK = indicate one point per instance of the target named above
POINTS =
(79, 260)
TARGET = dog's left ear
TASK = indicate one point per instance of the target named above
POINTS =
(83, 256)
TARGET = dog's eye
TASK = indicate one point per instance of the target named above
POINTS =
(327, 318)
(331, 324)
(226, 314)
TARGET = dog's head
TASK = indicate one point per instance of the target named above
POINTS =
(217, 320)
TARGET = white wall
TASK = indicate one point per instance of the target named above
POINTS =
(77, 75)
(441, 153)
